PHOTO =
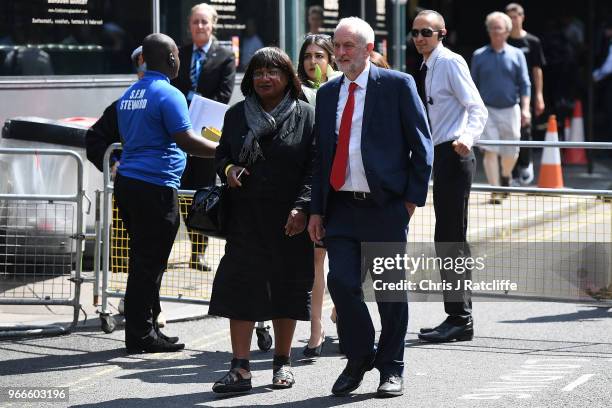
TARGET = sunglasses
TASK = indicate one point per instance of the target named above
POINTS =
(321, 36)
(425, 32)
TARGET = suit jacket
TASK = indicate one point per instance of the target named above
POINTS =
(216, 82)
(217, 76)
(396, 145)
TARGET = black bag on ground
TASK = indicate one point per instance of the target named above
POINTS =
(207, 212)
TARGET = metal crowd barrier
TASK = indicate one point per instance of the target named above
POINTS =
(528, 216)
(182, 281)
(41, 242)
(535, 227)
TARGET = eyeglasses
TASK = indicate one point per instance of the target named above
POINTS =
(324, 37)
(425, 32)
(272, 74)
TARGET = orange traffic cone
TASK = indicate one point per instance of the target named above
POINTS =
(550, 170)
(577, 155)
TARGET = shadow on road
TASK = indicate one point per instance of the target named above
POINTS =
(199, 400)
(590, 314)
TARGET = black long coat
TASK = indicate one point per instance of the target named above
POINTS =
(265, 274)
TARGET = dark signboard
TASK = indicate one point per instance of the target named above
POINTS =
(66, 37)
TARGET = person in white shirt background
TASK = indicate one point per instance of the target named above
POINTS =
(457, 117)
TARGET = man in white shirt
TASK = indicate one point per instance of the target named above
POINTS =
(457, 118)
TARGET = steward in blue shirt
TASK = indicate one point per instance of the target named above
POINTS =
(154, 125)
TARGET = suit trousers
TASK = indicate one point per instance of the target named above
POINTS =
(349, 223)
(151, 217)
(452, 176)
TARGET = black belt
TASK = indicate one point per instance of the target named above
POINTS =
(355, 195)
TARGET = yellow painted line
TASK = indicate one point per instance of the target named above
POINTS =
(327, 304)
(167, 356)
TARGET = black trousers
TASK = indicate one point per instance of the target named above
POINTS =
(524, 157)
(452, 183)
(151, 217)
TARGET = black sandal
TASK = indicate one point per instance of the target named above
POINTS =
(282, 377)
(233, 382)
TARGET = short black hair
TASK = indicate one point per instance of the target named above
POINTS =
(323, 41)
(155, 51)
(316, 9)
(271, 57)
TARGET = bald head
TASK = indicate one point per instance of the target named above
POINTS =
(428, 29)
(161, 54)
(434, 17)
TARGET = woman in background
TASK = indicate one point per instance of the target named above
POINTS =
(316, 66)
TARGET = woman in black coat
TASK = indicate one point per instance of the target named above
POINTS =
(265, 155)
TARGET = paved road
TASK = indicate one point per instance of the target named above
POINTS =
(526, 354)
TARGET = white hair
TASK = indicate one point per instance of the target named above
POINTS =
(498, 15)
(359, 27)
(206, 8)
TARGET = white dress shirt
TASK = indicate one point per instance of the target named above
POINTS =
(457, 110)
(355, 173)
(606, 68)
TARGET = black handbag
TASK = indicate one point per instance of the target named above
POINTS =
(208, 212)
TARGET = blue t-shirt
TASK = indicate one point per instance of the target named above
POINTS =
(148, 114)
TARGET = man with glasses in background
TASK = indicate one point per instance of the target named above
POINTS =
(457, 117)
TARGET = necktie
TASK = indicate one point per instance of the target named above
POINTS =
(338, 172)
(421, 84)
(196, 67)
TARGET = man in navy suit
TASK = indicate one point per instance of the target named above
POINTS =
(373, 163)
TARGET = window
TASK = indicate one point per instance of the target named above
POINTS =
(243, 25)
(71, 37)
(378, 13)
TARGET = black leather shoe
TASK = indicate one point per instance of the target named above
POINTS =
(150, 344)
(314, 352)
(351, 377)
(390, 386)
(429, 329)
(447, 332)
(197, 262)
(169, 339)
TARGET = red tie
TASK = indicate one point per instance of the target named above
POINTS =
(338, 172)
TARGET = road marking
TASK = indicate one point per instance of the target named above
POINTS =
(532, 377)
(201, 342)
(581, 380)
(195, 344)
